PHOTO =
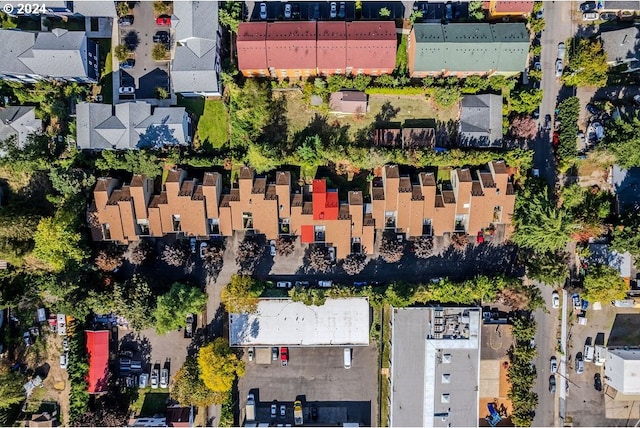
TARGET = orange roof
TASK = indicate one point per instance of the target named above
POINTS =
(251, 45)
(515, 7)
(371, 45)
(98, 350)
(307, 235)
(287, 41)
(332, 45)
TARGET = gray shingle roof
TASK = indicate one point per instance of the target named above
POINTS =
(130, 126)
(195, 64)
(621, 45)
(481, 120)
(471, 47)
(14, 44)
(94, 8)
(18, 121)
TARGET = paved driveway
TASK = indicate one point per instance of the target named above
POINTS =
(147, 74)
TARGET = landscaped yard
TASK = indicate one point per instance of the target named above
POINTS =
(212, 122)
(150, 403)
(402, 107)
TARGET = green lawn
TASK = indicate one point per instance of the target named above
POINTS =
(150, 403)
(106, 78)
(212, 119)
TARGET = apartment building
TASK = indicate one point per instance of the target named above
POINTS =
(472, 202)
(509, 8)
(304, 49)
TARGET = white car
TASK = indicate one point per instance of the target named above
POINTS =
(164, 378)
(325, 284)
(555, 300)
(63, 361)
(561, 50)
(283, 284)
(272, 248)
(127, 90)
(559, 68)
(203, 247)
(590, 16)
(250, 352)
(154, 379)
(334, 10)
(554, 364)
(332, 254)
(142, 381)
(263, 11)
(287, 11)
(65, 344)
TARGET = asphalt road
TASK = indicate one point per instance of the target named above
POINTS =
(557, 15)
(546, 342)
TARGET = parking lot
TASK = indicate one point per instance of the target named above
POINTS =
(316, 376)
(303, 11)
(147, 74)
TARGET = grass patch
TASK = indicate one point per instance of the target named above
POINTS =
(444, 173)
(384, 401)
(386, 336)
(193, 105)
(150, 403)
(213, 125)
(401, 57)
(106, 76)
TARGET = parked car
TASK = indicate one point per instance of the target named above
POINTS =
(597, 382)
(126, 90)
(448, 11)
(332, 254)
(274, 353)
(592, 109)
(284, 356)
(559, 68)
(480, 237)
(125, 21)
(314, 413)
(155, 374)
(333, 12)
(161, 37)
(341, 12)
(192, 245)
(552, 384)
(555, 300)
(203, 249)
(608, 16)
(590, 16)
(547, 122)
(301, 283)
(163, 20)
(274, 409)
(164, 378)
(636, 99)
(283, 410)
(128, 63)
(65, 344)
(579, 363)
(188, 327)
(287, 11)
(553, 362)
(588, 6)
(561, 51)
(251, 352)
(263, 11)
(142, 380)
(63, 361)
(540, 13)
(325, 284)
(272, 248)
(556, 139)
(283, 284)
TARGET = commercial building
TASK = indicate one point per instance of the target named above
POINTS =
(466, 49)
(473, 201)
(434, 367)
(98, 351)
(338, 322)
(308, 48)
(622, 371)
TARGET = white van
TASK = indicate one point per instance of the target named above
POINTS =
(347, 358)
(588, 353)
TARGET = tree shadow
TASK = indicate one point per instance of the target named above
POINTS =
(447, 134)
(276, 131)
(330, 133)
(131, 40)
(387, 113)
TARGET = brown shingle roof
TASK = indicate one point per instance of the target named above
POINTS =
(245, 173)
(259, 186)
(332, 45)
(391, 171)
(173, 176)
(464, 175)
(283, 178)
(355, 198)
(405, 185)
(416, 193)
(371, 45)
(343, 212)
(137, 181)
(291, 45)
(271, 192)
(210, 178)
(377, 194)
(120, 195)
(428, 178)
(439, 201)
(476, 189)
(187, 188)
(197, 194)
(368, 220)
(387, 137)
(487, 179)
(499, 167)
(157, 200)
(307, 208)
(297, 200)
(448, 197)
(224, 202)
(510, 189)
(234, 195)
(352, 102)
(102, 184)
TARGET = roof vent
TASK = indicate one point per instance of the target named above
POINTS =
(446, 378)
(446, 358)
(444, 398)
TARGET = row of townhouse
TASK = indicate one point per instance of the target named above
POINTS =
(474, 200)
(304, 49)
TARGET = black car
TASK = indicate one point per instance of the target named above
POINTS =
(588, 6)
(128, 63)
(314, 413)
(593, 109)
(552, 384)
(126, 20)
(597, 382)
(547, 122)
(161, 37)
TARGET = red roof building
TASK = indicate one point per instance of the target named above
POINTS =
(291, 40)
(371, 47)
(252, 48)
(98, 350)
(332, 47)
(304, 49)
(504, 8)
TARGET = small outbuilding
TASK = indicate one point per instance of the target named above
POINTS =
(348, 102)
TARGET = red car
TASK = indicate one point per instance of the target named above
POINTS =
(480, 237)
(556, 139)
(284, 355)
(164, 20)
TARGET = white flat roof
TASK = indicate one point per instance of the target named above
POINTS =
(284, 322)
(623, 370)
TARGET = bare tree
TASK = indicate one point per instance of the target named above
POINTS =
(109, 259)
(175, 254)
(459, 241)
(391, 250)
(213, 259)
(285, 245)
(248, 255)
(524, 127)
(319, 260)
(139, 252)
(423, 247)
(354, 263)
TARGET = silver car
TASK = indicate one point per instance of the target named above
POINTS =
(164, 378)
(559, 68)
(561, 51)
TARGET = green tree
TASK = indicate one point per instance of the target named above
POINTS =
(474, 84)
(162, 93)
(416, 15)
(188, 388)
(626, 235)
(57, 243)
(385, 80)
(523, 329)
(536, 25)
(446, 97)
(547, 267)
(160, 7)
(568, 114)
(241, 294)
(173, 307)
(475, 10)
(159, 51)
(250, 110)
(384, 12)
(587, 64)
(123, 8)
(526, 101)
(603, 283)
(622, 139)
(230, 15)
(70, 182)
(121, 52)
(361, 82)
(11, 390)
(219, 366)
